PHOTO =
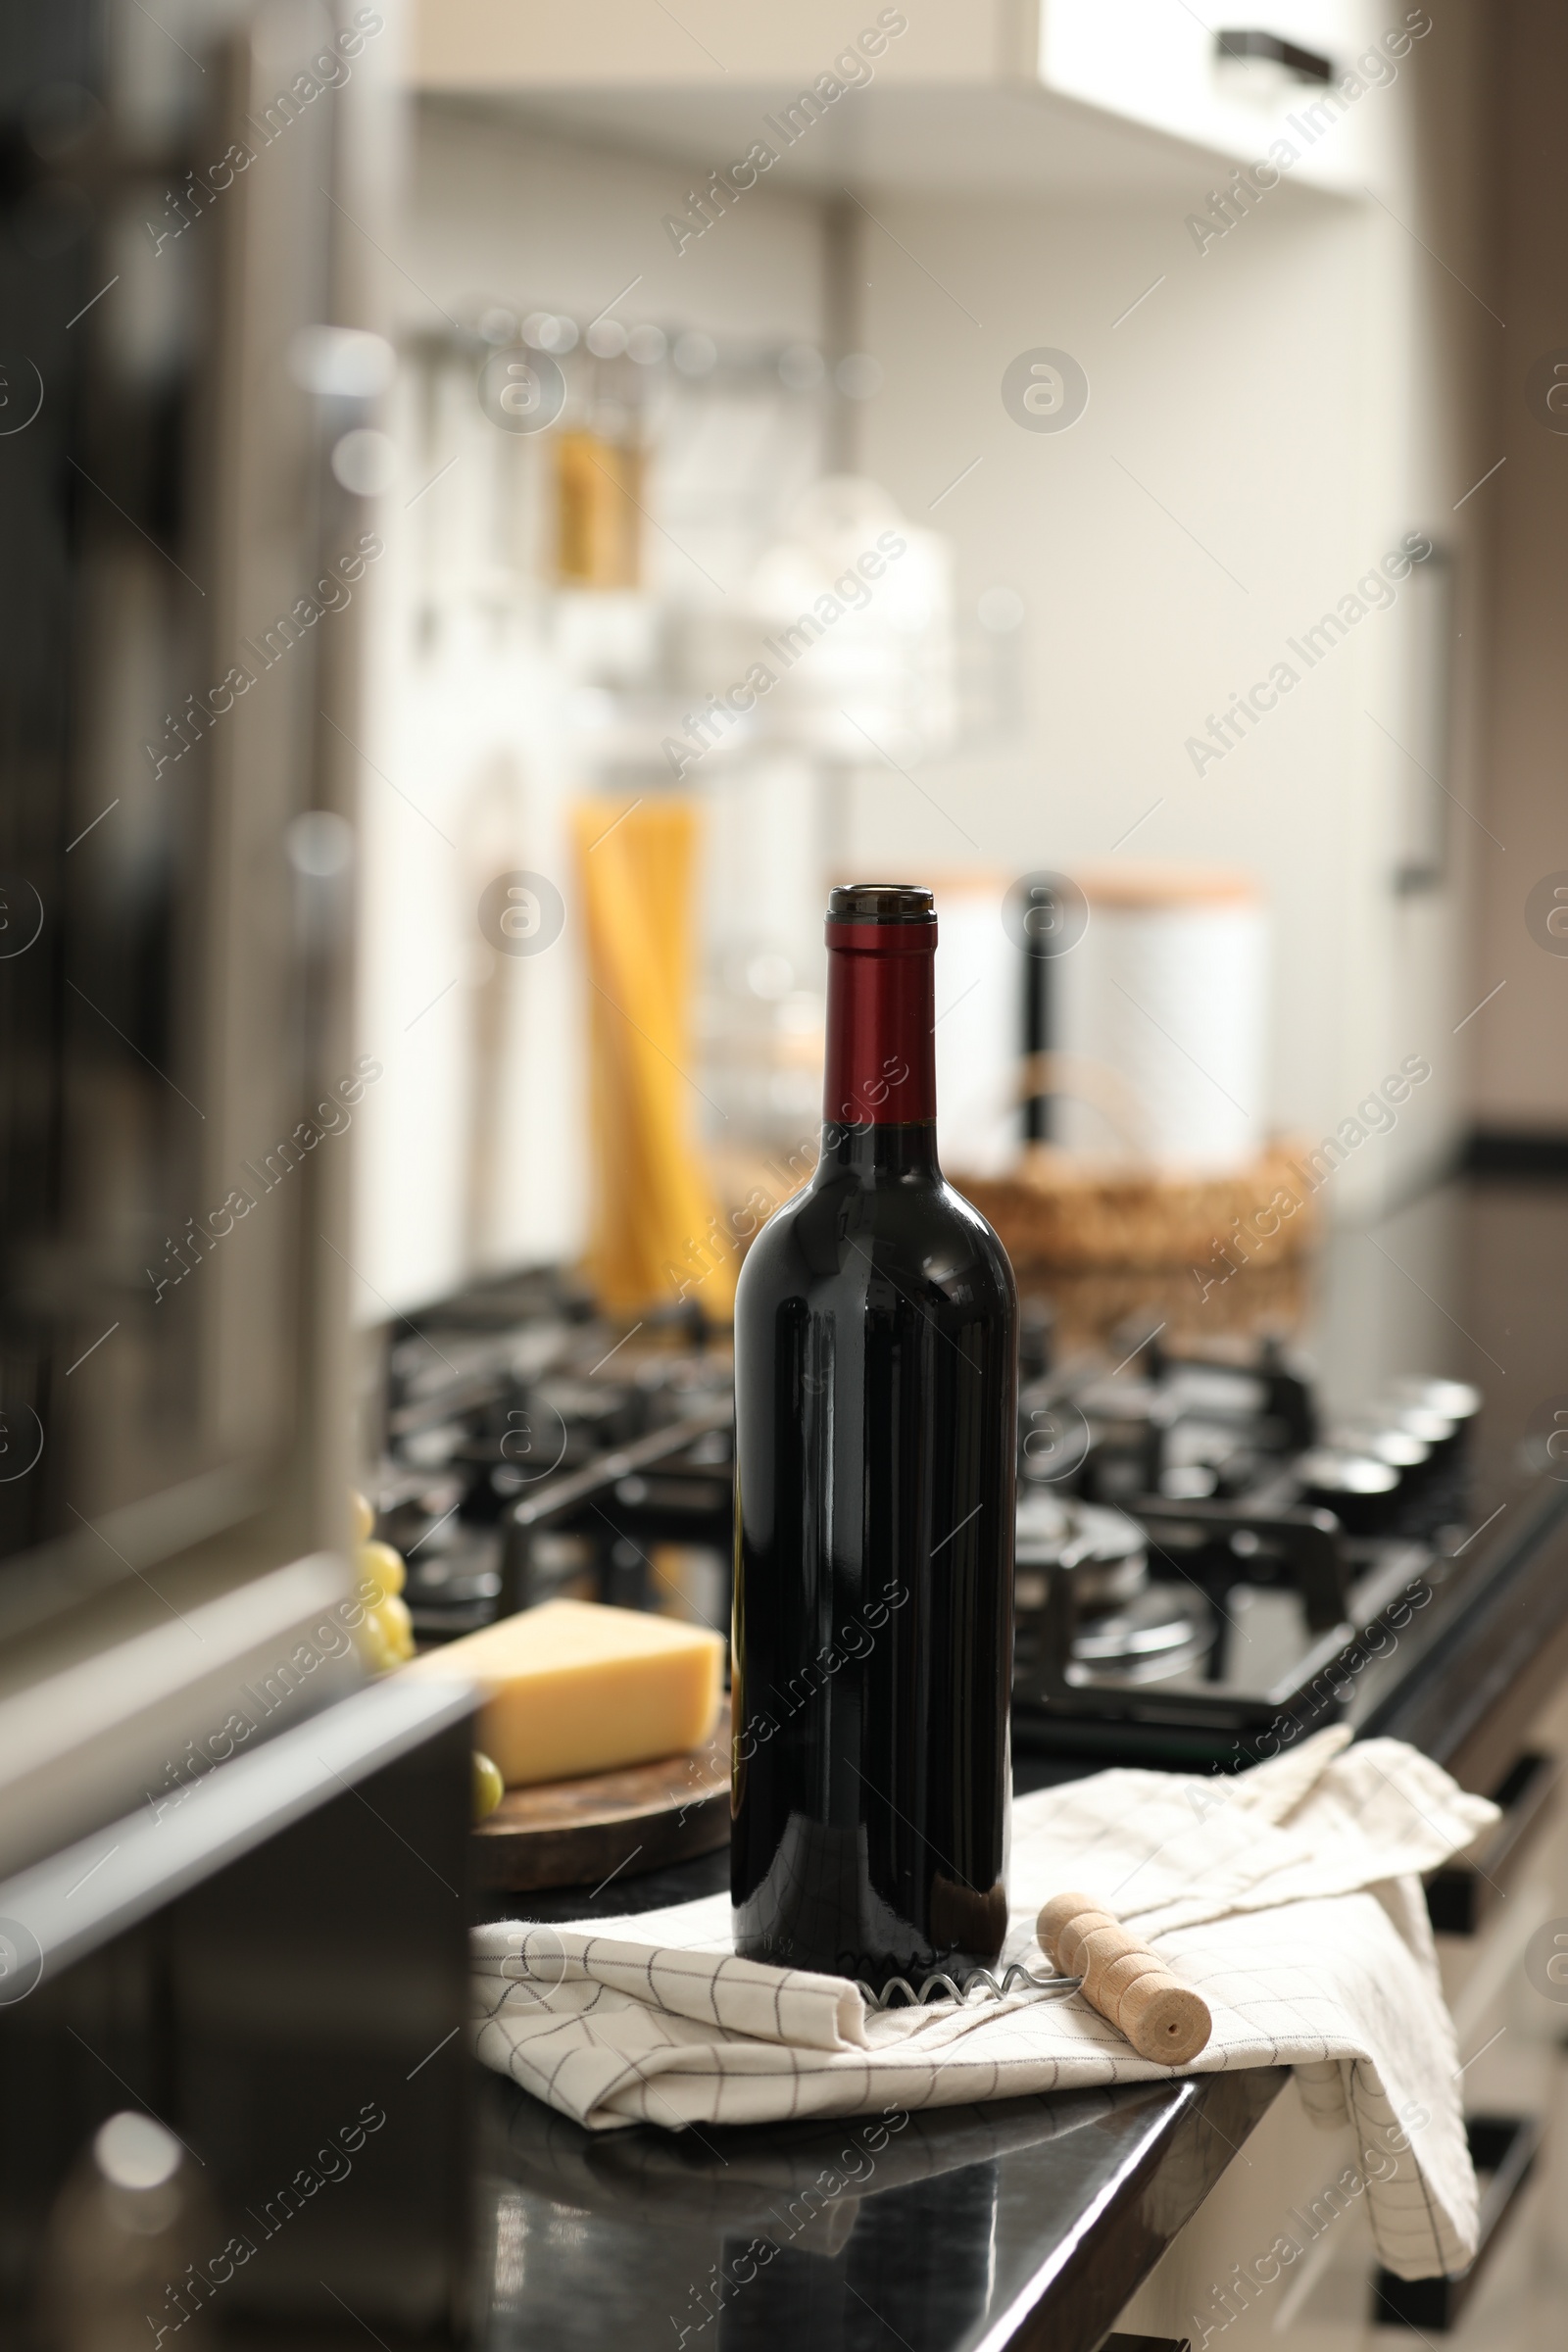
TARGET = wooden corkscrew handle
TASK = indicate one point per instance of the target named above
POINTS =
(1129, 1984)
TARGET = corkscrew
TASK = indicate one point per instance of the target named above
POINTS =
(958, 1988)
(1123, 1979)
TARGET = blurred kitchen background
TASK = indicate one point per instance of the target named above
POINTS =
(734, 382)
(1008, 287)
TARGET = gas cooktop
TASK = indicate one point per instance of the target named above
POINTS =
(1204, 1568)
(1208, 1563)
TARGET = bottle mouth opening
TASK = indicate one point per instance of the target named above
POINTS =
(881, 903)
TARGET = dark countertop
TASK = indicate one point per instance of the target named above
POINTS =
(1032, 2221)
(941, 2233)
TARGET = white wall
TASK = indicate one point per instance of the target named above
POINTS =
(495, 206)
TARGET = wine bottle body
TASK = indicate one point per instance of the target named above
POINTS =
(875, 1448)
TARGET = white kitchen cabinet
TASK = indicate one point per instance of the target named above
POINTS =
(495, 44)
(998, 93)
(1321, 119)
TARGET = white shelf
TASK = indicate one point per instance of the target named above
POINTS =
(1015, 140)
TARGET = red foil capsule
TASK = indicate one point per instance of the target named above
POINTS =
(881, 1015)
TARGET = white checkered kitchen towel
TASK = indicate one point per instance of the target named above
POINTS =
(1288, 1896)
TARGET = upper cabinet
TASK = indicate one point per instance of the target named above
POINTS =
(498, 44)
(1299, 89)
(1093, 96)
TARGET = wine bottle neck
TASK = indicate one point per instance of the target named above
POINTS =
(863, 1151)
(880, 1075)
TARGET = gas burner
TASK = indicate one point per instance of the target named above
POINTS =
(1157, 1635)
(1104, 1548)
(1360, 1487)
(1125, 1626)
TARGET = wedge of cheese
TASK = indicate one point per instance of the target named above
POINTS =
(571, 1688)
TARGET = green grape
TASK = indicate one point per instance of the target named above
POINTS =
(382, 1567)
(375, 1646)
(397, 1626)
(488, 1787)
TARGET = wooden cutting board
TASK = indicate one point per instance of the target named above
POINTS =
(578, 1833)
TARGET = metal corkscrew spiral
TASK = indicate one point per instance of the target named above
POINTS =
(960, 1988)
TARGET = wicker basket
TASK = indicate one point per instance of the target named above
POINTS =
(1104, 1243)
(1061, 1214)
